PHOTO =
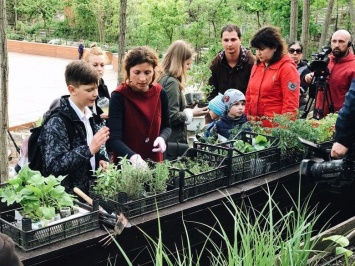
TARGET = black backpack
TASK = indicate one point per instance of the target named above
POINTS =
(34, 149)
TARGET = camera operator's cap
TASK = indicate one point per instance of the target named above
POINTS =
(231, 97)
(216, 105)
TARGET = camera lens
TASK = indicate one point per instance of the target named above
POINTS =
(328, 170)
(322, 171)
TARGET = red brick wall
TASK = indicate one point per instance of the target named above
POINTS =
(60, 51)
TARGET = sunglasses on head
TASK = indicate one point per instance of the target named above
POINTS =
(298, 51)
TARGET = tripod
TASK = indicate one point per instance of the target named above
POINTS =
(319, 84)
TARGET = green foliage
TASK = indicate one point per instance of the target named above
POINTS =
(198, 77)
(159, 23)
(193, 166)
(342, 243)
(133, 181)
(46, 9)
(263, 237)
(259, 143)
(39, 196)
(288, 130)
(160, 176)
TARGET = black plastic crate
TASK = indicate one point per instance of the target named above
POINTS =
(245, 166)
(136, 207)
(319, 150)
(194, 185)
(291, 157)
(35, 238)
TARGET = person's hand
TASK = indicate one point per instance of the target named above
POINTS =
(104, 116)
(338, 150)
(99, 138)
(103, 165)
(200, 111)
(159, 144)
(308, 77)
(137, 162)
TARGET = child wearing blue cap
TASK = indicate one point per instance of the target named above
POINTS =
(233, 117)
(216, 109)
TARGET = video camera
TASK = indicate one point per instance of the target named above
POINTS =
(320, 61)
(319, 66)
(337, 174)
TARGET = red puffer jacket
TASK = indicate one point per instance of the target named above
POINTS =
(273, 90)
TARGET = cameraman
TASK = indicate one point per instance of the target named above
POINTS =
(345, 125)
(342, 71)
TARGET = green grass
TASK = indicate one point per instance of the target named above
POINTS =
(270, 236)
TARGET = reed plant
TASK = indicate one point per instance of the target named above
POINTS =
(267, 236)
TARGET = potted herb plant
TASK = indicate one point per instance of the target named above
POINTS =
(40, 197)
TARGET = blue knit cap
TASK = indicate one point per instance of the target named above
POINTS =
(216, 105)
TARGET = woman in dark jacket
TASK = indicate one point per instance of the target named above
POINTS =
(295, 51)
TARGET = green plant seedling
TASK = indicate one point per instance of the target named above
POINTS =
(40, 197)
(343, 242)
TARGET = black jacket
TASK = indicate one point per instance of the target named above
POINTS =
(60, 157)
(224, 77)
(345, 124)
(303, 70)
(225, 124)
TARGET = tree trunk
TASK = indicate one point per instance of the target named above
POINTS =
(352, 17)
(293, 20)
(15, 9)
(305, 26)
(4, 163)
(328, 16)
(122, 38)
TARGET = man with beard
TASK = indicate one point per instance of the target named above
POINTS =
(232, 66)
(342, 71)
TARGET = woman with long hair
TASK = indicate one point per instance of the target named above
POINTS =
(175, 65)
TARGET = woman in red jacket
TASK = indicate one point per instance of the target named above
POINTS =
(274, 85)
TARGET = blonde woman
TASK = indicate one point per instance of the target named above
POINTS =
(96, 57)
(175, 64)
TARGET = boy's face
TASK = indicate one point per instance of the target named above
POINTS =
(84, 95)
(237, 109)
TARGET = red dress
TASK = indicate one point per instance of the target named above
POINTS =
(142, 120)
